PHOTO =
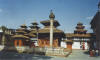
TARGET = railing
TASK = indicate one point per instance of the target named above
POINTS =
(29, 50)
(21, 49)
(39, 50)
(56, 51)
(46, 50)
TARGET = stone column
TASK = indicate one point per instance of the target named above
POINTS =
(51, 32)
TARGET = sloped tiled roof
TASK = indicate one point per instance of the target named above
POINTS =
(47, 22)
(55, 30)
(78, 35)
(20, 36)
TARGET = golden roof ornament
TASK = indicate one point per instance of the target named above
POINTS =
(79, 23)
(51, 16)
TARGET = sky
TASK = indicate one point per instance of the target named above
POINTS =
(68, 13)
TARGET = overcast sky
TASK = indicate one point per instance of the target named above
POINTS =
(68, 13)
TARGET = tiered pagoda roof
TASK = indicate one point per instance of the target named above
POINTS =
(20, 36)
(47, 30)
(22, 32)
(80, 32)
(34, 26)
(46, 23)
(34, 29)
(80, 29)
(72, 35)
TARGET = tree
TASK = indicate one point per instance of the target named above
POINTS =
(4, 29)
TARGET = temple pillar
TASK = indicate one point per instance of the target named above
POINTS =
(44, 43)
(15, 42)
(69, 46)
(55, 43)
(39, 42)
(20, 43)
(51, 33)
(83, 46)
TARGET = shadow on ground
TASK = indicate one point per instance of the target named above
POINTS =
(86, 52)
(22, 56)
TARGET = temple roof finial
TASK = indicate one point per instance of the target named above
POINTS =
(51, 15)
(79, 23)
(23, 25)
(35, 20)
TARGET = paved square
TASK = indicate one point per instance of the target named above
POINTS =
(76, 55)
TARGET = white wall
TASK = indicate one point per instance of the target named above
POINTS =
(63, 44)
(86, 45)
(76, 45)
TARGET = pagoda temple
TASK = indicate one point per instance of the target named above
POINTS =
(44, 33)
(80, 37)
(80, 34)
(80, 29)
(21, 37)
(34, 34)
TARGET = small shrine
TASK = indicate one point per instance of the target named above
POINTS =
(80, 38)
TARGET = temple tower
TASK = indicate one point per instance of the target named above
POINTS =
(34, 34)
(80, 37)
(80, 29)
(21, 37)
(50, 35)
